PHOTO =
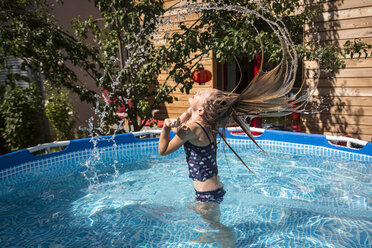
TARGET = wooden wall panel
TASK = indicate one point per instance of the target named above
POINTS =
(345, 100)
(337, 5)
(343, 24)
(340, 42)
(346, 95)
(342, 92)
(351, 13)
(350, 63)
(178, 107)
(343, 73)
(335, 118)
(365, 32)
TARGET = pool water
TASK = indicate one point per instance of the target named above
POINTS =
(143, 201)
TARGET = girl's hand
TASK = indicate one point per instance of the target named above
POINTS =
(172, 122)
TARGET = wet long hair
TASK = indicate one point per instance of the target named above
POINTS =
(266, 95)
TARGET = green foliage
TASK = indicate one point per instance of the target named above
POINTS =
(127, 28)
(329, 55)
(30, 32)
(60, 113)
(356, 47)
(21, 110)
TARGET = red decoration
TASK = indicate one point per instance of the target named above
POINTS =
(201, 76)
(121, 110)
(256, 64)
(255, 67)
(60, 63)
(296, 119)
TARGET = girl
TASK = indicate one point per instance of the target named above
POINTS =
(265, 95)
(199, 142)
(196, 130)
(198, 137)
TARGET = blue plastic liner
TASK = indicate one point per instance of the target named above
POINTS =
(19, 157)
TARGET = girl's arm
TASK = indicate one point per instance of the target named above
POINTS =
(167, 146)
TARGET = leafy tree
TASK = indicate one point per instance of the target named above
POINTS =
(60, 113)
(127, 30)
(229, 33)
(124, 56)
(29, 32)
(21, 112)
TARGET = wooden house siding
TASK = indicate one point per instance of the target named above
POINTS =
(176, 108)
(346, 95)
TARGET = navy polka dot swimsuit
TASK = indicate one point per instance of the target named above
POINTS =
(201, 159)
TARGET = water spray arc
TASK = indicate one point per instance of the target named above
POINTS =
(180, 11)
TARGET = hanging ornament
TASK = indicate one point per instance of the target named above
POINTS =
(5, 45)
(60, 63)
(201, 76)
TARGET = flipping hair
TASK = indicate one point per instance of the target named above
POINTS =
(265, 95)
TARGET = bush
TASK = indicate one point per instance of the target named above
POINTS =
(21, 112)
(60, 113)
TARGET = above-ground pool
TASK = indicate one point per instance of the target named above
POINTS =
(304, 193)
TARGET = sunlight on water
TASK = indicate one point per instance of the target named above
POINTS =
(179, 12)
(291, 201)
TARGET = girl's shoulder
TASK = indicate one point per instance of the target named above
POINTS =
(201, 135)
(187, 131)
(196, 128)
(190, 130)
(193, 127)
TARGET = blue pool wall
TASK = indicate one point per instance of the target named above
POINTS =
(23, 156)
(305, 139)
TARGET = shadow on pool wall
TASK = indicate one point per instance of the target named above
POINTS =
(314, 140)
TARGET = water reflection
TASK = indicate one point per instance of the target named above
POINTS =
(217, 232)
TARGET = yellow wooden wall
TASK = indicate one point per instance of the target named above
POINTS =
(178, 107)
(348, 95)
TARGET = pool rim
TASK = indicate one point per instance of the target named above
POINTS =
(13, 159)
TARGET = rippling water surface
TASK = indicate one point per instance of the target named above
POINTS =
(292, 201)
